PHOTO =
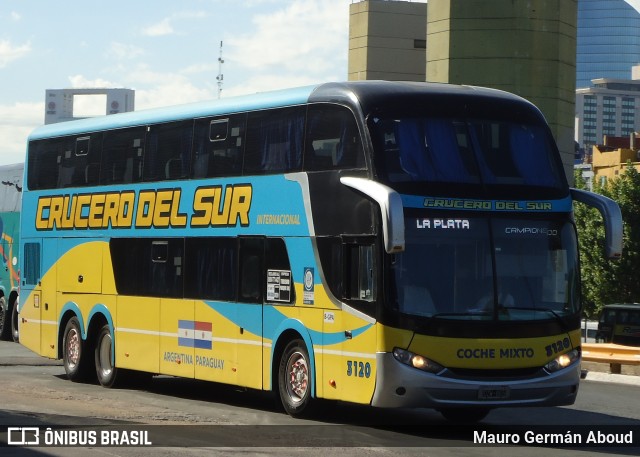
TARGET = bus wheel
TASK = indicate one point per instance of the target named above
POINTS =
(465, 415)
(5, 323)
(294, 379)
(14, 322)
(105, 368)
(75, 363)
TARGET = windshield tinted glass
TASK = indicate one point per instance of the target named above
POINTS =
(472, 151)
(478, 268)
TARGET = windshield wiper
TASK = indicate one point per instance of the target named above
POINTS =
(544, 310)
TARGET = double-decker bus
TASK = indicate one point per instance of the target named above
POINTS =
(383, 243)
(10, 196)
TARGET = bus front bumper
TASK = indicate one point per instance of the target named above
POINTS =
(401, 386)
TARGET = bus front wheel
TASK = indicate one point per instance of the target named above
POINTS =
(105, 368)
(76, 363)
(294, 379)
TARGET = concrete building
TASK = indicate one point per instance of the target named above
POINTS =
(528, 48)
(59, 104)
(387, 40)
(611, 158)
(609, 108)
(608, 40)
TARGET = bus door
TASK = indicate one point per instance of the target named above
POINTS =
(359, 343)
(178, 329)
(31, 294)
(252, 284)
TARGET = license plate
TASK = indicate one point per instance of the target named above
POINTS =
(493, 393)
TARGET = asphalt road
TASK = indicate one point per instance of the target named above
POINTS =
(187, 417)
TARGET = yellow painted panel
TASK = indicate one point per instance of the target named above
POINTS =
(137, 344)
(80, 267)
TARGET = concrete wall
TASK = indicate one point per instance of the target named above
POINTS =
(386, 40)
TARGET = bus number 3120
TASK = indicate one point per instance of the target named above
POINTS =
(358, 369)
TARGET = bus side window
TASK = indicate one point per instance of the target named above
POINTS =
(168, 150)
(43, 164)
(218, 146)
(274, 141)
(123, 152)
(211, 268)
(332, 139)
(251, 269)
(31, 273)
(361, 284)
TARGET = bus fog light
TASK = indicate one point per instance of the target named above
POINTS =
(563, 361)
(416, 361)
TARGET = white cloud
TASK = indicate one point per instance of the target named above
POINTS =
(306, 36)
(9, 52)
(122, 51)
(159, 29)
(18, 120)
(81, 82)
(165, 26)
(15, 16)
(155, 89)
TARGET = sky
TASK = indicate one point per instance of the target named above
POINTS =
(166, 50)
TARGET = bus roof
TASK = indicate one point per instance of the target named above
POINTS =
(366, 93)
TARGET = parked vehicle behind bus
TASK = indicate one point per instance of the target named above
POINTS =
(384, 243)
(620, 324)
(10, 198)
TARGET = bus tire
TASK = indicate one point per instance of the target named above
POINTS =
(105, 368)
(5, 320)
(465, 415)
(75, 361)
(294, 379)
(15, 335)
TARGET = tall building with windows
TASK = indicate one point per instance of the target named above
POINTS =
(608, 39)
(611, 107)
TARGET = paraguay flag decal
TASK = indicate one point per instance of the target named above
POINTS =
(195, 334)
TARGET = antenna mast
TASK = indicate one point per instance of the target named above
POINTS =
(220, 76)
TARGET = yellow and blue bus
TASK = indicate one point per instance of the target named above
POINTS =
(383, 243)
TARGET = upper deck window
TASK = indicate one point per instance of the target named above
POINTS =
(465, 151)
(332, 140)
(274, 141)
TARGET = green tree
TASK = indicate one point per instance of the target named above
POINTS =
(605, 281)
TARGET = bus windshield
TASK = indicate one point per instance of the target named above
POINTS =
(459, 151)
(487, 268)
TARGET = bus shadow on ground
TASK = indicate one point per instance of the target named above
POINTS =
(344, 424)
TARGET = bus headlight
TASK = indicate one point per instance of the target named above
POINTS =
(417, 361)
(563, 361)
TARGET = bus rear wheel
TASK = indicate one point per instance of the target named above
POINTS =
(76, 363)
(105, 368)
(5, 320)
(294, 379)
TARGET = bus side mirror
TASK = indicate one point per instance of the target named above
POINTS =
(612, 216)
(391, 207)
